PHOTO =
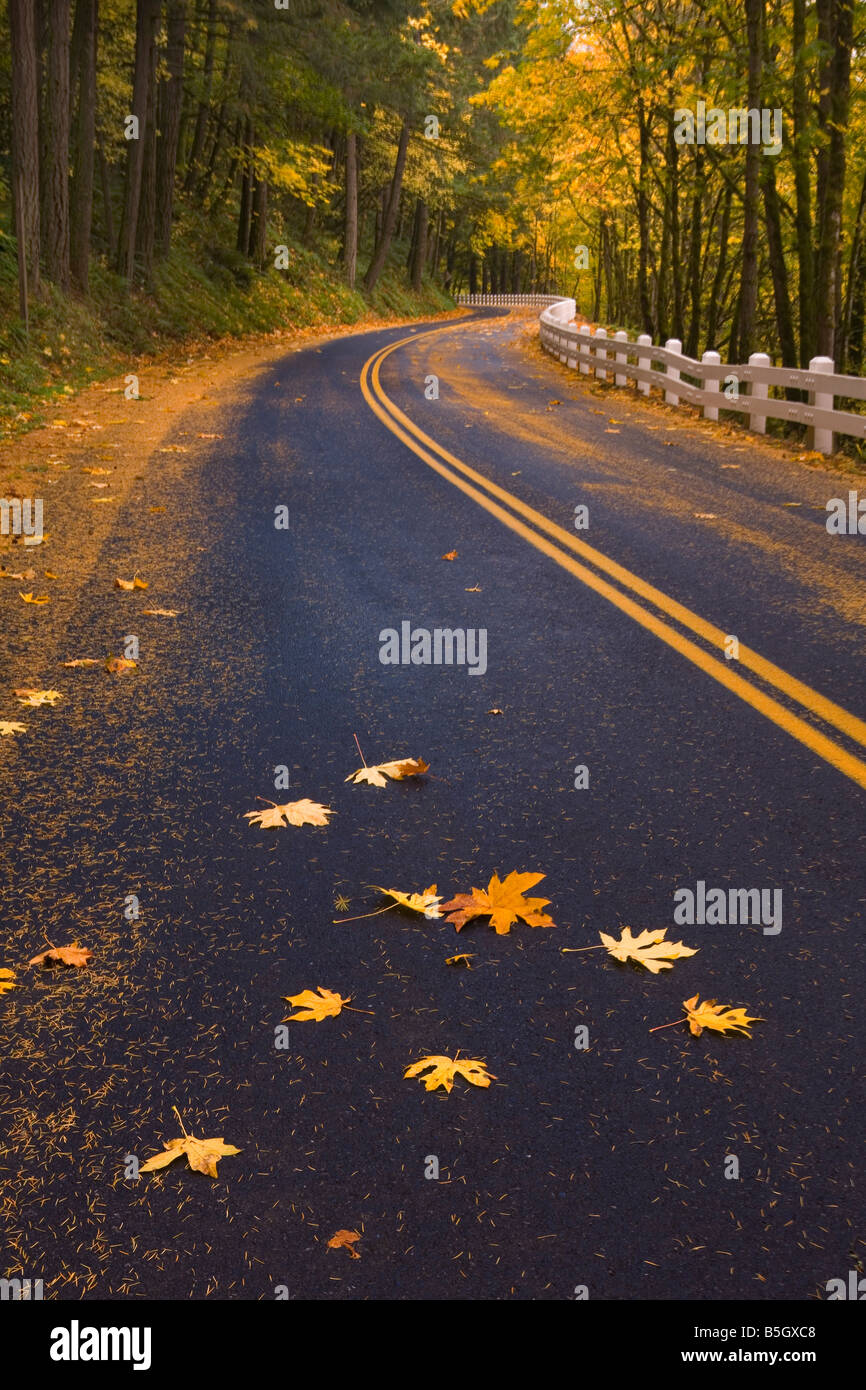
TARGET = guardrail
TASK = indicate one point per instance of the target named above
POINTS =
(508, 301)
(621, 360)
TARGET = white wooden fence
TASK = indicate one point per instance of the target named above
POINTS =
(619, 359)
(508, 301)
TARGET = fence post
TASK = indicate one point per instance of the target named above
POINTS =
(711, 412)
(620, 379)
(586, 347)
(759, 390)
(820, 438)
(644, 359)
(601, 354)
(673, 345)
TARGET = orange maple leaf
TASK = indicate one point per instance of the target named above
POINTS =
(503, 901)
(345, 1240)
(65, 955)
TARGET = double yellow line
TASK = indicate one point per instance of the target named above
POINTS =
(536, 528)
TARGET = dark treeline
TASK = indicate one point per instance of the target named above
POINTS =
(349, 124)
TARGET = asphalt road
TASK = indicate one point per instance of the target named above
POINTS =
(603, 1167)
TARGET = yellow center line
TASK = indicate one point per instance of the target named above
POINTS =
(798, 728)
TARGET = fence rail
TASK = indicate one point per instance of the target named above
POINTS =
(507, 301)
(591, 350)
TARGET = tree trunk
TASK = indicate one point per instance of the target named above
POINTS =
(107, 208)
(380, 253)
(802, 188)
(350, 223)
(258, 223)
(246, 204)
(169, 103)
(146, 233)
(748, 300)
(81, 193)
(778, 269)
(25, 149)
(204, 105)
(855, 260)
(146, 16)
(692, 338)
(55, 206)
(841, 24)
(420, 256)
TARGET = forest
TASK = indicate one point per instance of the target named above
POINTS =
(465, 145)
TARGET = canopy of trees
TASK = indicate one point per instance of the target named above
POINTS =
(504, 145)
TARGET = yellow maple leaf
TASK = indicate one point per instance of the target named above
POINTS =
(426, 902)
(118, 664)
(649, 949)
(396, 770)
(717, 1017)
(303, 812)
(444, 1070)
(503, 901)
(28, 696)
(11, 726)
(128, 584)
(202, 1154)
(313, 1006)
(28, 598)
(7, 981)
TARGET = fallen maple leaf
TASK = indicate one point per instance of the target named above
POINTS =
(96, 471)
(82, 661)
(649, 949)
(7, 981)
(313, 1006)
(133, 583)
(28, 598)
(503, 902)
(444, 1070)
(28, 696)
(717, 1017)
(202, 1154)
(304, 812)
(10, 726)
(118, 664)
(451, 555)
(426, 902)
(64, 955)
(396, 770)
(345, 1240)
